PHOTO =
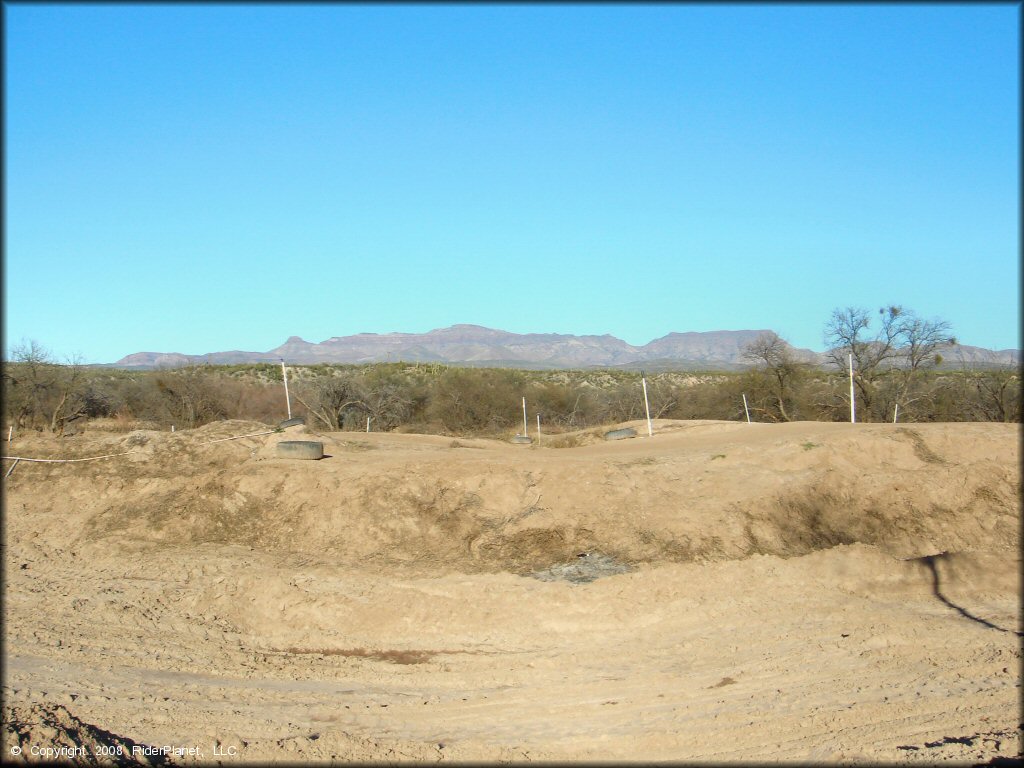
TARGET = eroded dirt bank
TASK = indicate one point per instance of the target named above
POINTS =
(785, 592)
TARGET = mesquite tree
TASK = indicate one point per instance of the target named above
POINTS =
(886, 363)
(780, 371)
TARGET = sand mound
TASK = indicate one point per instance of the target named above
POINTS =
(695, 493)
(57, 736)
(787, 592)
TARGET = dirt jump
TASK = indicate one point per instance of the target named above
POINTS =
(721, 591)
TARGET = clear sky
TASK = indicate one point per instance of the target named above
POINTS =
(198, 178)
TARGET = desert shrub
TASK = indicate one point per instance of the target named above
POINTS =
(563, 405)
(998, 394)
(334, 399)
(39, 393)
(392, 395)
(187, 397)
(257, 400)
(624, 402)
(710, 397)
(768, 401)
(477, 400)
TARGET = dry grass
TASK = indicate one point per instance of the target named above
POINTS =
(117, 424)
(573, 439)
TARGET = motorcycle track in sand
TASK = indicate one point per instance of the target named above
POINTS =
(808, 592)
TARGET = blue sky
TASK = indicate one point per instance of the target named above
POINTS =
(198, 178)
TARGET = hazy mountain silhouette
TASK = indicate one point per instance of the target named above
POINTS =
(476, 345)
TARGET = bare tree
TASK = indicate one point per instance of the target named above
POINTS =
(847, 334)
(190, 397)
(921, 341)
(71, 396)
(331, 399)
(30, 382)
(42, 391)
(903, 346)
(780, 368)
(999, 393)
(387, 406)
(991, 390)
(664, 397)
(389, 396)
(623, 403)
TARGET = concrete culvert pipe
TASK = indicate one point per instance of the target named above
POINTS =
(300, 449)
(291, 422)
(521, 440)
(620, 434)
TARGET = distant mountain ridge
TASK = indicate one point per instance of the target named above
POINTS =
(476, 345)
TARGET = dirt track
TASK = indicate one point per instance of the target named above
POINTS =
(799, 592)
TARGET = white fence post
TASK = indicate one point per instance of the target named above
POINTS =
(647, 407)
(288, 399)
(853, 407)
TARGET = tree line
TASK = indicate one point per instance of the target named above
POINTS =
(895, 356)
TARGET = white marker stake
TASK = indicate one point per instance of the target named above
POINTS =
(284, 374)
(538, 427)
(367, 423)
(745, 409)
(172, 427)
(895, 412)
(853, 407)
(525, 433)
(10, 432)
(647, 407)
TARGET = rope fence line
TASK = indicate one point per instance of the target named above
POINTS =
(67, 461)
(239, 437)
(16, 459)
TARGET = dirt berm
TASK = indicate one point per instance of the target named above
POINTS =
(721, 591)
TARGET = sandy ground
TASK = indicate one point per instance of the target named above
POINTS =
(803, 592)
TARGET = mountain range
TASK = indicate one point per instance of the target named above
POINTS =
(479, 346)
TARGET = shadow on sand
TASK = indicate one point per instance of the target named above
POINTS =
(929, 562)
